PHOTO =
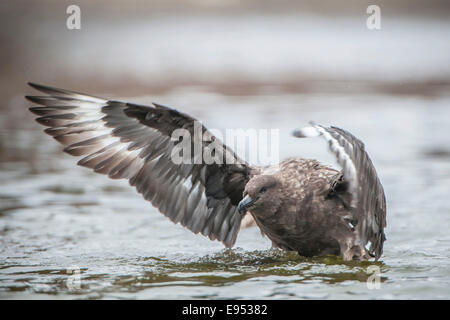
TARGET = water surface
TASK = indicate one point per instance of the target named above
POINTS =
(60, 223)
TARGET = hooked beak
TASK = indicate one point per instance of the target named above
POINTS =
(245, 203)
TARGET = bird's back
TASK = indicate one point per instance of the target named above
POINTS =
(307, 213)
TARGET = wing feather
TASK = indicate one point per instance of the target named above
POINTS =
(129, 141)
(367, 195)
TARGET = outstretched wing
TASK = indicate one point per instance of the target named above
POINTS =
(366, 192)
(134, 142)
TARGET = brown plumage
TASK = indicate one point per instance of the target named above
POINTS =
(299, 204)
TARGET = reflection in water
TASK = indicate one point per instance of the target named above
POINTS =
(224, 268)
(229, 266)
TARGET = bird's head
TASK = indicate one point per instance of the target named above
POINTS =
(261, 195)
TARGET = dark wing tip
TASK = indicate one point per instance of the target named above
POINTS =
(34, 99)
(305, 132)
(39, 87)
(48, 90)
(30, 98)
(62, 93)
(32, 84)
(160, 106)
(297, 133)
(56, 92)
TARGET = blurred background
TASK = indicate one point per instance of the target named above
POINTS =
(233, 47)
(232, 64)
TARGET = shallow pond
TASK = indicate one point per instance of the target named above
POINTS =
(68, 233)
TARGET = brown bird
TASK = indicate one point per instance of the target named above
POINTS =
(300, 205)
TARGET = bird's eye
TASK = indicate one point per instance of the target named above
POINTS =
(263, 189)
